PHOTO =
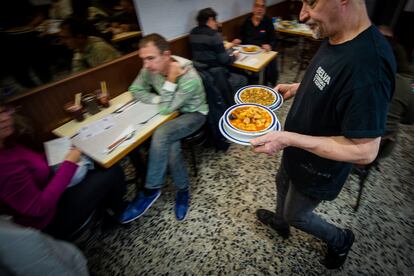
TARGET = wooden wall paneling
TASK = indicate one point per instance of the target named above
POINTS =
(44, 106)
(181, 47)
(282, 9)
(231, 28)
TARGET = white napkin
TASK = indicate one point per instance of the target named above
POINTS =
(251, 61)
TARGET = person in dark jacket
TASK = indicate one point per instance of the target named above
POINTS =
(207, 47)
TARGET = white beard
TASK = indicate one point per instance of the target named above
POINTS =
(316, 34)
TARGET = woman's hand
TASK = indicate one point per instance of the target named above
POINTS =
(175, 70)
(73, 155)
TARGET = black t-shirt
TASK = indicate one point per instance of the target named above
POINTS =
(345, 92)
(264, 33)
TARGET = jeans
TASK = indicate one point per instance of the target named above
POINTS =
(165, 151)
(296, 209)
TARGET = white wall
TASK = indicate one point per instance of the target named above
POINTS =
(174, 18)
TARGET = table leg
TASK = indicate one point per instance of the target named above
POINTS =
(261, 76)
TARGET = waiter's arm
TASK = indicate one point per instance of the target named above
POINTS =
(339, 148)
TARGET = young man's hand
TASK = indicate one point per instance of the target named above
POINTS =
(175, 71)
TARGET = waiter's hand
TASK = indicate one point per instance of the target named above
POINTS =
(267, 47)
(175, 70)
(287, 90)
(270, 143)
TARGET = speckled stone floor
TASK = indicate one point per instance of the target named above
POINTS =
(221, 235)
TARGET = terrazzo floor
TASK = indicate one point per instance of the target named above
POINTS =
(221, 235)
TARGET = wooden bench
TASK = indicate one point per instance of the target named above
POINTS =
(44, 105)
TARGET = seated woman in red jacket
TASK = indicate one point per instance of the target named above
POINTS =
(36, 197)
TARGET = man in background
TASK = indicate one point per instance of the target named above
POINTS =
(258, 30)
(89, 51)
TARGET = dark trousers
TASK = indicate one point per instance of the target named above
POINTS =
(297, 209)
(271, 73)
(101, 188)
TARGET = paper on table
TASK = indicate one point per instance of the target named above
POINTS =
(133, 115)
(97, 127)
(137, 113)
(56, 150)
(251, 61)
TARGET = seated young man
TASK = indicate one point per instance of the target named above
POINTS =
(177, 87)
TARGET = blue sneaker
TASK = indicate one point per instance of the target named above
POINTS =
(181, 205)
(138, 207)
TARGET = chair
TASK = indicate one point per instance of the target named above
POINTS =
(283, 42)
(197, 138)
(219, 98)
(362, 171)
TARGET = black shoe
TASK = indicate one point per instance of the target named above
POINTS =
(335, 257)
(268, 218)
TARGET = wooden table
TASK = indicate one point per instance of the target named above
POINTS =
(125, 35)
(297, 29)
(142, 133)
(255, 62)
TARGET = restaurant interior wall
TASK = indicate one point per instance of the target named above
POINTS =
(175, 18)
(44, 105)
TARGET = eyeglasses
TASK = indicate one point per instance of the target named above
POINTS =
(310, 3)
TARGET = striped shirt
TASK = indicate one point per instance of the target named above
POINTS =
(187, 95)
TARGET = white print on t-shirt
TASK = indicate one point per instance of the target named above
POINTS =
(321, 78)
(311, 170)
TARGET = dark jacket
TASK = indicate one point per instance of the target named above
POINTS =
(207, 47)
(218, 91)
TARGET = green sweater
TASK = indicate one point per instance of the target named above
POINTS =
(187, 95)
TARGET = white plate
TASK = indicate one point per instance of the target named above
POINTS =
(274, 106)
(258, 49)
(249, 133)
(237, 139)
(228, 137)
